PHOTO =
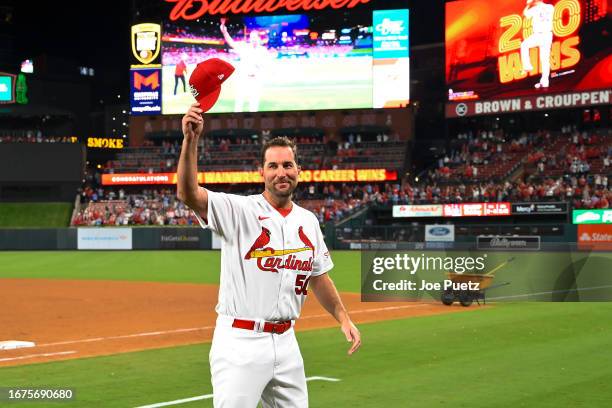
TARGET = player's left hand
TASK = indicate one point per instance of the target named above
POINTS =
(352, 334)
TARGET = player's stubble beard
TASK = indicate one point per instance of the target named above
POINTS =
(286, 193)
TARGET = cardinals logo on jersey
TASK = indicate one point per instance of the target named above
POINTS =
(271, 260)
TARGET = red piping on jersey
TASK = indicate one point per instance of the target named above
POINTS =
(284, 211)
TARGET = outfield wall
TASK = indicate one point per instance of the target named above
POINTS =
(405, 236)
(105, 238)
(192, 238)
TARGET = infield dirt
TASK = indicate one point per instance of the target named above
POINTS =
(73, 319)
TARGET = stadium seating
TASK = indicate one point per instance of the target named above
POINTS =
(241, 153)
(544, 166)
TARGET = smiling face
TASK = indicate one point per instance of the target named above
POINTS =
(280, 172)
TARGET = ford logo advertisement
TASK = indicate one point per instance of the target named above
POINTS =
(439, 233)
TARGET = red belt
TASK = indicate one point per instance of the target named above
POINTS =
(269, 327)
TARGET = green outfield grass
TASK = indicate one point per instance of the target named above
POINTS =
(44, 215)
(511, 355)
(157, 266)
(588, 269)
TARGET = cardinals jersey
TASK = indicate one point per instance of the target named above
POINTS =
(541, 17)
(266, 259)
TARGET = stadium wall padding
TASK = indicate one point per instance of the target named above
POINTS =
(145, 238)
(154, 238)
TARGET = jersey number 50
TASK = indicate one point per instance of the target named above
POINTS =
(301, 284)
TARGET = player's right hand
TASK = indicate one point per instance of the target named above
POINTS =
(193, 122)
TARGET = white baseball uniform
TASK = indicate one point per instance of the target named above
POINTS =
(266, 262)
(249, 79)
(542, 22)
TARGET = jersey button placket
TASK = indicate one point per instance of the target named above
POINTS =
(274, 344)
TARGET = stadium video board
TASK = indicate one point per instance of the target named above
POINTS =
(517, 55)
(311, 60)
(7, 88)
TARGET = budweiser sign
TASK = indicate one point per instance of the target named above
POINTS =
(194, 9)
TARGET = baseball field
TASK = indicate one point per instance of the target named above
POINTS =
(131, 329)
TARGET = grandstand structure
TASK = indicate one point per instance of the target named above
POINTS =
(355, 148)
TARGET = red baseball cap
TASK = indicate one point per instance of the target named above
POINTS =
(206, 79)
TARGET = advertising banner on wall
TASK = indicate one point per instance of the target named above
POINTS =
(595, 237)
(512, 242)
(433, 210)
(453, 210)
(104, 238)
(539, 208)
(180, 238)
(439, 233)
(592, 216)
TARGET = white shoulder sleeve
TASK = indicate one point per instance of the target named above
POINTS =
(223, 213)
(322, 261)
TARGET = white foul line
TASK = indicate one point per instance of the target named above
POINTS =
(552, 292)
(164, 332)
(209, 396)
(176, 402)
(127, 336)
(378, 309)
(37, 355)
(316, 378)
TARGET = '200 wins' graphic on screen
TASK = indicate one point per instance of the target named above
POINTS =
(563, 53)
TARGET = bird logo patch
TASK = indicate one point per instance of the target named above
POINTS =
(271, 260)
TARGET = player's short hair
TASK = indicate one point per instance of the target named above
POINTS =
(280, 141)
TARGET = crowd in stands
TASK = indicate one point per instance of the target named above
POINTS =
(329, 202)
(582, 192)
(35, 137)
(149, 207)
(241, 153)
(569, 166)
(484, 155)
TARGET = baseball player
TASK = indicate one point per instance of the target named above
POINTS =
(272, 256)
(249, 81)
(541, 15)
(179, 73)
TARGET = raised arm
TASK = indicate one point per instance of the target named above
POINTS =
(226, 36)
(327, 295)
(187, 189)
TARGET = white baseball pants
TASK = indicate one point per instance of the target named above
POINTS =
(544, 42)
(248, 366)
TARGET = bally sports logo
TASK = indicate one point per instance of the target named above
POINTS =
(271, 260)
